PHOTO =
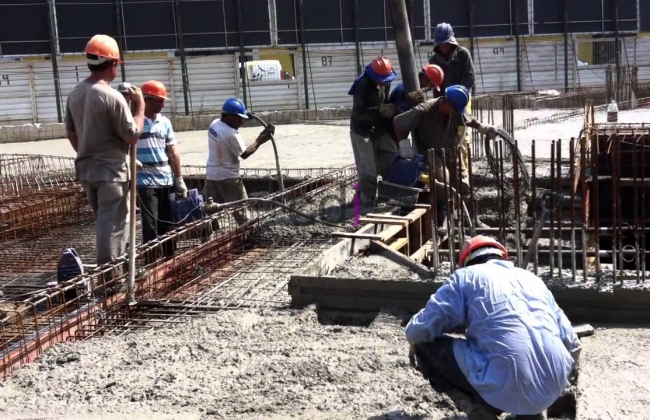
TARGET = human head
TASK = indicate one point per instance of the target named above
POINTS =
(432, 76)
(443, 39)
(456, 100)
(103, 56)
(154, 93)
(233, 113)
(380, 70)
(475, 251)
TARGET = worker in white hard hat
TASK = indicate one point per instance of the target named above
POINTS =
(101, 126)
(519, 349)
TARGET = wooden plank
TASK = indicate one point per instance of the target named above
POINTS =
(385, 251)
(423, 206)
(399, 244)
(383, 221)
(419, 255)
(387, 216)
(387, 234)
(356, 235)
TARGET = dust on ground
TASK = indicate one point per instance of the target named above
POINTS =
(235, 364)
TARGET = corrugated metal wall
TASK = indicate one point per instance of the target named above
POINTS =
(27, 88)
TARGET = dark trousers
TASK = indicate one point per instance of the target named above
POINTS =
(437, 363)
(156, 216)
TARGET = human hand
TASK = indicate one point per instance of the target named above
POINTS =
(266, 134)
(388, 110)
(135, 94)
(488, 130)
(412, 360)
(179, 187)
(418, 96)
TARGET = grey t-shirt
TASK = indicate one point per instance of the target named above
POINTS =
(102, 120)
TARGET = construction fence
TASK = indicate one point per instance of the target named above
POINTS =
(318, 76)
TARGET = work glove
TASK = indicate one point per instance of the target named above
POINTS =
(179, 187)
(138, 165)
(406, 151)
(266, 134)
(488, 130)
(418, 96)
(388, 110)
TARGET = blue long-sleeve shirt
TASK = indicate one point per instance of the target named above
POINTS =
(520, 346)
(398, 97)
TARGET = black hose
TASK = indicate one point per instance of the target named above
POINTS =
(275, 150)
(493, 163)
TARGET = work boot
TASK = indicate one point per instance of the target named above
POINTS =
(465, 189)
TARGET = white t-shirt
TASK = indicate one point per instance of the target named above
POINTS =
(225, 147)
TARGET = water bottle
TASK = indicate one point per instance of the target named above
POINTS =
(612, 115)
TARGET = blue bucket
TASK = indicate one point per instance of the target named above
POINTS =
(407, 171)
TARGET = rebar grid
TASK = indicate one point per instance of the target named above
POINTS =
(84, 306)
(22, 174)
(592, 199)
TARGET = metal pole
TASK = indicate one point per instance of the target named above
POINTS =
(120, 35)
(130, 285)
(617, 48)
(181, 49)
(404, 46)
(472, 36)
(53, 57)
(357, 41)
(566, 45)
(242, 53)
(517, 43)
(304, 52)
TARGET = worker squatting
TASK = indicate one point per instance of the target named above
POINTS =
(519, 349)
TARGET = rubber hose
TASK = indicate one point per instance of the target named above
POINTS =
(275, 151)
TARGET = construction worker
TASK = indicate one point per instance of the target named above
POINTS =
(372, 144)
(159, 168)
(438, 123)
(431, 77)
(101, 126)
(520, 349)
(456, 62)
(225, 149)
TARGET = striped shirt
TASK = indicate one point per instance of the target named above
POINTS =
(152, 153)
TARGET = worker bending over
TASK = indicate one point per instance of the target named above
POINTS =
(520, 349)
(456, 62)
(101, 126)
(159, 169)
(372, 144)
(431, 78)
(438, 123)
(225, 149)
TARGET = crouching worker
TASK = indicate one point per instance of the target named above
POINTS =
(372, 144)
(225, 149)
(439, 124)
(520, 349)
(159, 170)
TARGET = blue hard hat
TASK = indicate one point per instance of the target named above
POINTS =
(458, 95)
(234, 106)
(443, 33)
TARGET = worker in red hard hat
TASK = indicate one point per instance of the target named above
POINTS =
(431, 78)
(456, 61)
(439, 124)
(372, 144)
(101, 126)
(519, 349)
(159, 168)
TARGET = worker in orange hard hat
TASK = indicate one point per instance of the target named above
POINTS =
(431, 77)
(372, 144)
(101, 126)
(159, 169)
(520, 349)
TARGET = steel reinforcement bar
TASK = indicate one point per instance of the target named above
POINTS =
(81, 307)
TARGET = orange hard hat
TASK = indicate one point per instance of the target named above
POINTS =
(103, 46)
(154, 88)
(434, 74)
(382, 66)
(467, 253)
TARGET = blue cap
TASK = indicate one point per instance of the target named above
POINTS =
(458, 95)
(443, 33)
(234, 106)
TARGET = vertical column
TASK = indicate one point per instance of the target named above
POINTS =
(566, 45)
(301, 15)
(404, 45)
(181, 49)
(119, 25)
(243, 72)
(51, 21)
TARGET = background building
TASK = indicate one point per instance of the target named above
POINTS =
(304, 53)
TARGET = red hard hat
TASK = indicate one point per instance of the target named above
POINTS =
(382, 66)
(154, 88)
(477, 242)
(104, 47)
(434, 74)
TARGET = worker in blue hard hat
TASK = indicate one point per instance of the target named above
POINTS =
(225, 150)
(519, 350)
(456, 62)
(438, 123)
(370, 127)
